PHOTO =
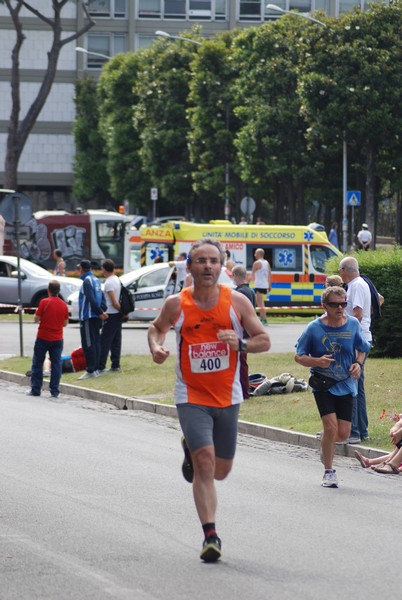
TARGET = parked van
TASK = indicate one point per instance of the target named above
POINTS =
(297, 255)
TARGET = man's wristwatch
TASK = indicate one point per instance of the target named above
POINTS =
(242, 345)
(359, 363)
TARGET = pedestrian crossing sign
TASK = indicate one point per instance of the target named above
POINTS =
(353, 198)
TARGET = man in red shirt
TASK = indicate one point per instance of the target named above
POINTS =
(52, 316)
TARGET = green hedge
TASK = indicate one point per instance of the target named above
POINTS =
(384, 267)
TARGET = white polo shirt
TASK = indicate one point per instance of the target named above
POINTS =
(358, 295)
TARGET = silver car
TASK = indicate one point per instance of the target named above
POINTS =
(34, 282)
(149, 286)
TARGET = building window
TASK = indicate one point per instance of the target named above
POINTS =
(220, 10)
(175, 9)
(100, 46)
(347, 5)
(144, 41)
(108, 8)
(250, 10)
(300, 5)
(182, 9)
(149, 9)
(199, 9)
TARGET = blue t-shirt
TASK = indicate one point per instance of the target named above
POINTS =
(342, 343)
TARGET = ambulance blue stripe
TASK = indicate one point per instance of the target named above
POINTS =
(302, 292)
(281, 286)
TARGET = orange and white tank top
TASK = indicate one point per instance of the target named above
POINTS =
(207, 369)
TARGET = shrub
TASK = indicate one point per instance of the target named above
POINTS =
(384, 267)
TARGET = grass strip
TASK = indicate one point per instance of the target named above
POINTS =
(295, 411)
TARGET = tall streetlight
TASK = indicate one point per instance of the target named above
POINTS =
(167, 35)
(298, 14)
(345, 224)
(90, 53)
(164, 34)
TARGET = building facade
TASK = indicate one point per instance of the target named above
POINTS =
(45, 168)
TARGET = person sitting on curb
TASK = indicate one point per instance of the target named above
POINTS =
(380, 461)
(389, 464)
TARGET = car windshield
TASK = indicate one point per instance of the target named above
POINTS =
(31, 267)
(156, 277)
(319, 256)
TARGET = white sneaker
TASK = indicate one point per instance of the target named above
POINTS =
(330, 479)
(87, 375)
(102, 371)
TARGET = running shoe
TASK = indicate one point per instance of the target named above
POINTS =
(330, 479)
(88, 375)
(187, 466)
(211, 549)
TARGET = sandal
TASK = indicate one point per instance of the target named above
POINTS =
(362, 460)
(387, 469)
(375, 467)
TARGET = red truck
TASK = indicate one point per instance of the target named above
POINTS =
(92, 234)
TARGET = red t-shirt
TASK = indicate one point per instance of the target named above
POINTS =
(53, 312)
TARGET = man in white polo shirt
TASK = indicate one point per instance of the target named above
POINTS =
(110, 338)
(359, 305)
(364, 237)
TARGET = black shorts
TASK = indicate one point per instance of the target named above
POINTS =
(261, 290)
(328, 403)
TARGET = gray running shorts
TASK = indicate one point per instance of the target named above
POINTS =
(206, 426)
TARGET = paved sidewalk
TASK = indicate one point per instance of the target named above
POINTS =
(254, 429)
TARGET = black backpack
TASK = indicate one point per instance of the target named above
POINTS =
(375, 300)
(126, 301)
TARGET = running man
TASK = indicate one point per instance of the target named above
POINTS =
(209, 319)
(261, 276)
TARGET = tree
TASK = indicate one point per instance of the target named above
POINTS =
(121, 141)
(351, 89)
(160, 115)
(91, 181)
(19, 129)
(213, 155)
(271, 141)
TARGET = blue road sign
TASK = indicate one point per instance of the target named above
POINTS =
(353, 198)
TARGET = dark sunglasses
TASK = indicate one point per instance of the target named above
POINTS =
(337, 304)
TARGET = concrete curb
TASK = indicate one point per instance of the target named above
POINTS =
(274, 434)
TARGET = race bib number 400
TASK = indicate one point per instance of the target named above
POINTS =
(209, 357)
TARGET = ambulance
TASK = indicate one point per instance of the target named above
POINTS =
(297, 255)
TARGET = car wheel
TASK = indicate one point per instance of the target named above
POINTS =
(36, 299)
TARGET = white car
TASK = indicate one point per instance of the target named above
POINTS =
(34, 282)
(149, 286)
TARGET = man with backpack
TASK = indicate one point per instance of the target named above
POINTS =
(110, 339)
(91, 311)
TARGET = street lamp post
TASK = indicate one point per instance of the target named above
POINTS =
(297, 14)
(164, 34)
(90, 53)
(17, 222)
(345, 224)
(167, 35)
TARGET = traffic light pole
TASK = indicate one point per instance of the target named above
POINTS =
(17, 224)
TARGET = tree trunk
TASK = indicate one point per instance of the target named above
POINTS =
(19, 131)
(370, 192)
(300, 207)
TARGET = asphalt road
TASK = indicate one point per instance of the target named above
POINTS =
(93, 506)
(283, 338)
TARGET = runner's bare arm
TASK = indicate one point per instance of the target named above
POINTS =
(159, 328)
